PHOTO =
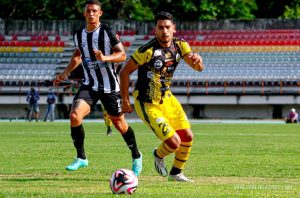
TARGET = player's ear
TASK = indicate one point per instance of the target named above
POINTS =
(174, 31)
(100, 13)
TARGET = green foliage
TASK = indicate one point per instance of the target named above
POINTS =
(293, 11)
(223, 9)
(136, 10)
(184, 10)
(227, 160)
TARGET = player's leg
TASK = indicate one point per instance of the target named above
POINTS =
(80, 108)
(154, 118)
(179, 121)
(112, 103)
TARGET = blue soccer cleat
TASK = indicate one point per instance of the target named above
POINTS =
(137, 165)
(78, 163)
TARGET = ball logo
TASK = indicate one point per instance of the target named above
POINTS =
(123, 181)
(158, 64)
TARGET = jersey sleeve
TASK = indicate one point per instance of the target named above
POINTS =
(112, 36)
(75, 41)
(184, 47)
(142, 57)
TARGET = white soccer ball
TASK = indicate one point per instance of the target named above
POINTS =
(123, 181)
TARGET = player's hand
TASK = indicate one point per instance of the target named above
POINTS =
(99, 55)
(126, 107)
(196, 61)
(60, 77)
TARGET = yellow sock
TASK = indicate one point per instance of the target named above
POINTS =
(182, 154)
(107, 119)
(163, 150)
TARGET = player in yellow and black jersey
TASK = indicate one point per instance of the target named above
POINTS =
(154, 103)
(157, 68)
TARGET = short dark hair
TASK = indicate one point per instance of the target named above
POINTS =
(163, 16)
(93, 2)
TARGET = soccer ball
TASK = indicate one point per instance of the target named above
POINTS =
(123, 181)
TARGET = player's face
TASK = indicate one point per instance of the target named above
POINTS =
(164, 31)
(92, 13)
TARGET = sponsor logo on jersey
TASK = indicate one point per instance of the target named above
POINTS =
(157, 53)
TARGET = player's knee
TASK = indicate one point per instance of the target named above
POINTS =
(185, 135)
(119, 123)
(189, 137)
(173, 142)
(75, 119)
(121, 127)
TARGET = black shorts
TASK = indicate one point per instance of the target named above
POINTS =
(111, 101)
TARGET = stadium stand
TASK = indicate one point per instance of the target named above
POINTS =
(255, 60)
(251, 61)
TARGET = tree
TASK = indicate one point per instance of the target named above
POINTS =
(271, 8)
(224, 9)
(184, 10)
(292, 11)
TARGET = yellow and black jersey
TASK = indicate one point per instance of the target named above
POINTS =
(156, 68)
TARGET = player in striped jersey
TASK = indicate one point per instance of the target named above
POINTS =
(98, 49)
(154, 103)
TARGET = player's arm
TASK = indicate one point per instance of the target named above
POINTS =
(129, 67)
(74, 62)
(118, 55)
(194, 60)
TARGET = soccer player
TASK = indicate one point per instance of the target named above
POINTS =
(154, 103)
(98, 49)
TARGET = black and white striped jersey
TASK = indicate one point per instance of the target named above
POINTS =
(99, 75)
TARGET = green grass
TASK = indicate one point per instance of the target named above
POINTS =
(227, 160)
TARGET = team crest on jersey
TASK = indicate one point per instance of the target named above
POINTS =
(158, 64)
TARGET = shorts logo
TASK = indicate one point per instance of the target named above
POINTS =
(163, 125)
(159, 120)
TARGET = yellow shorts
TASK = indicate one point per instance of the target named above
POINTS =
(164, 119)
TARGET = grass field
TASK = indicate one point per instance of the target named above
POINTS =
(227, 160)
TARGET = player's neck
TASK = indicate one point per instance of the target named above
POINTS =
(92, 26)
(164, 44)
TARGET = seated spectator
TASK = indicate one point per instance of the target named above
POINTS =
(292, 117)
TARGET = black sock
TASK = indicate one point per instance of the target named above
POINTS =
(77, 134)
(175, 171)
(131, 143)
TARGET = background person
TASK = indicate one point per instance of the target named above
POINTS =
(98, 49)
(154, 103)
(33, 98)
(292, 116)
(51, 100)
